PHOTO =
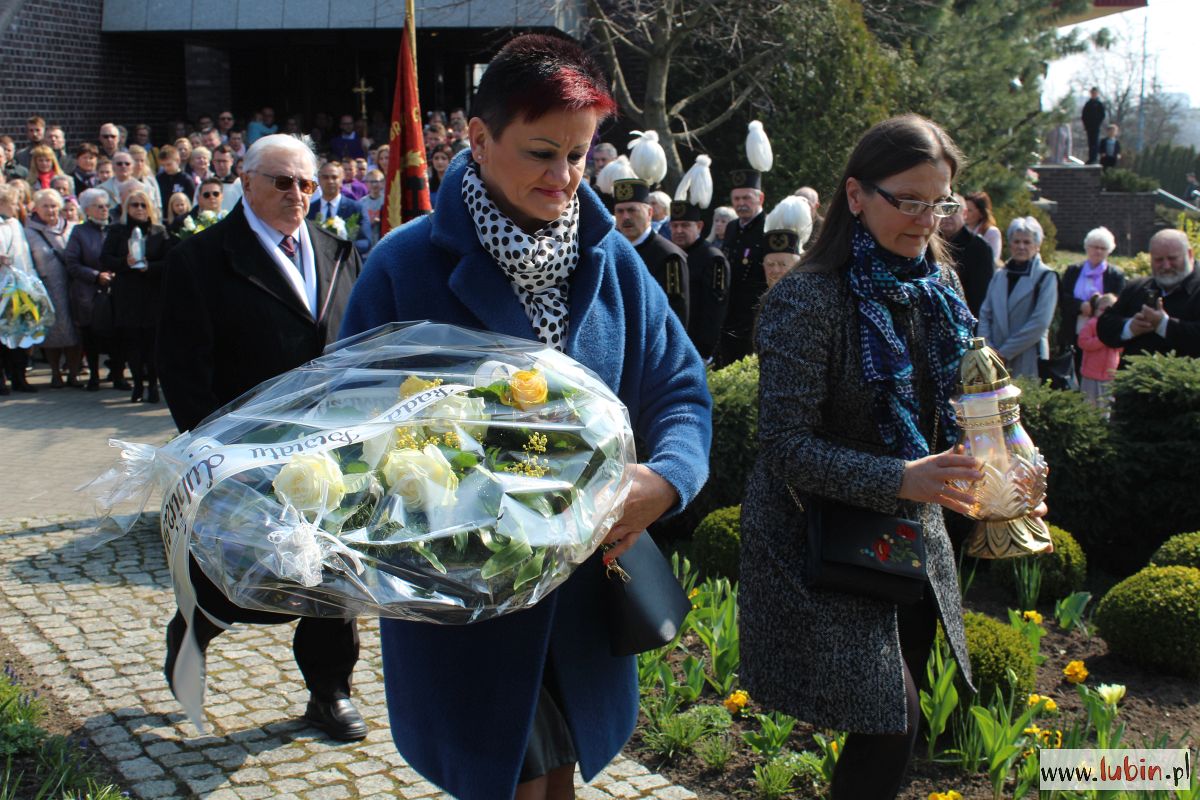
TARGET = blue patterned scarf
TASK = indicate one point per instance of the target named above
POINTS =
(879, 278)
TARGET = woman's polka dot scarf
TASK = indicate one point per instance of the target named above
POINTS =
(537, 265)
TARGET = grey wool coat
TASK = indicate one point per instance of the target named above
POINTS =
(828, 658)
(1016, 326)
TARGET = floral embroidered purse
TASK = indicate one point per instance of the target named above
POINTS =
(858, 551)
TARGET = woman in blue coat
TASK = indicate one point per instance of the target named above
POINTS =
(505, 708)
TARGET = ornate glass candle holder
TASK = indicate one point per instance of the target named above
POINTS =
(1014, 472)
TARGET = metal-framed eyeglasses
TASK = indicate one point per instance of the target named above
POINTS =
(915, 208)
(284, 183)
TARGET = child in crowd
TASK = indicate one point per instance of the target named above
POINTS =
(1099, 360)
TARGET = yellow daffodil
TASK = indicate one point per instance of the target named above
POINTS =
(736, 701)
(1075, 672)
(693, 594)
(1111, 693)
(1034, 731)
(1032, 616)
(950, 795)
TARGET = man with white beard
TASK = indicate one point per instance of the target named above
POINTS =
(1160, 313)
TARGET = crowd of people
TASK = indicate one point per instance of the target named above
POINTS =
(860, 314)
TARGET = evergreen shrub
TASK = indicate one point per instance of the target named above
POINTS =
(1152, 618)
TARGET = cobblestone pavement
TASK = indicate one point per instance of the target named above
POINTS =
(92, 624)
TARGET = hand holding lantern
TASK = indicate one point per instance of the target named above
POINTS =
(1014, 472)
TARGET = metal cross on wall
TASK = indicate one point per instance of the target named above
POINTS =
(362, 90)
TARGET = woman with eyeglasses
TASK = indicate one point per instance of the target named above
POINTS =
(519, 246)
(859, 349)
(135, 250)
(1016, 314)
(47, 232)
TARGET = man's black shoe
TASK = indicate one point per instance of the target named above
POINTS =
(338, 718)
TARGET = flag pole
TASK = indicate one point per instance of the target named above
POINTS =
(411, 13)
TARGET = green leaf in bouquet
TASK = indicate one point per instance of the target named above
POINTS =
(463, 461)
(531, 569)
(497, 392)
(355, 468)
(492, 541)
(516, 551)
(461, 540)
(429, 556)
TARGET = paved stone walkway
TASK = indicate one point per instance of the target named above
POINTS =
(92, 625)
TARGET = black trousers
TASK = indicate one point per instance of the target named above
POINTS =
(872, 766)
(14, 361)
(139, 351)
(1093, 137)
(326, 649)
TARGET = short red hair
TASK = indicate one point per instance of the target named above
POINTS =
(536, 74)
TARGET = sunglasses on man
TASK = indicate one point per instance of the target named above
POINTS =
(210, 194)
(284, 183)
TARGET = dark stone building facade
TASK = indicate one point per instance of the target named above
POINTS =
(1082, 205)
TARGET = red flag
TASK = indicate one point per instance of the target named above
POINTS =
(407, 178)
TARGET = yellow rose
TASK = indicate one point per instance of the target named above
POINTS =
(528, 389)
(422, 478)
(1075, 672)
(310, 483)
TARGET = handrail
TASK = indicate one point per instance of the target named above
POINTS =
(1179, 200)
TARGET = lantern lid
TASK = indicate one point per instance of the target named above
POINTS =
(981, 369)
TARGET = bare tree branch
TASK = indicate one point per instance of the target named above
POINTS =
(620, 85)
(611, 30)
(762, 59)
(720, 119)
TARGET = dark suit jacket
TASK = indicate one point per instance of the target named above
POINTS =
(975, 265)
(708, 270)
(1182, 306)
(669, 267)
(230, 320)
(1068, 304)
(1105, 159)
(744, 249)
(347, 208)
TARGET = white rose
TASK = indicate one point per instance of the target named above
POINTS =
(457, 412)
(189, 224)
(422, 478)
(310, 483)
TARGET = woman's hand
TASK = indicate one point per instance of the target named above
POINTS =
(104, 278)
(927, 480)
(130, 260)
(649, 498)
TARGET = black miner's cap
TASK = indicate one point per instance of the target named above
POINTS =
(631, 190)
(783, 242)
(686, 212)
(746, 179)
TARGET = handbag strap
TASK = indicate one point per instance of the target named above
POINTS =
(53, 249)
(1037, 287)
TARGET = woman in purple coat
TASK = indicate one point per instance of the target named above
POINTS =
(507, 707)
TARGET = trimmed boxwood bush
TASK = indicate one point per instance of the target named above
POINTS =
(716, 545)
(1178, 551)
(1153, 619)
(734, 391)
(994, 647)
(1063, 571)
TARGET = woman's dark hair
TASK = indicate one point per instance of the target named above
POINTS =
(891, 147)
(536, 74)
(983, 204)
(435, 180)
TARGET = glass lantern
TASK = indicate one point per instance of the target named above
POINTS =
(1014, 472)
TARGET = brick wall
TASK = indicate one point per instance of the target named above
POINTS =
(55, 62)
(1082, 205)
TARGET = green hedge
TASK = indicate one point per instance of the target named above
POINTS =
(716, 545)
(1153, 619)
(995, 647)
(1063, 571)
(1178, 551)
(1126, 180)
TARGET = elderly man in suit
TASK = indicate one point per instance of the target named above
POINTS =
(259, 293)
(332, 203)
(1161, 313)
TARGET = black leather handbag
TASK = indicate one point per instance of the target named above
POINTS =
(1059, 370)
(644, 602)
(857, 551)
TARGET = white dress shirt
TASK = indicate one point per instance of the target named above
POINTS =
(306, 287)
